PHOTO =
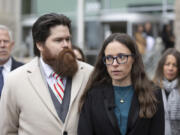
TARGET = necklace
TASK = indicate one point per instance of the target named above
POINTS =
(126, 93)
(122, 99)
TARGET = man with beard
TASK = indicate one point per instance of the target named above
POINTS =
(7, 63)
(42, 97)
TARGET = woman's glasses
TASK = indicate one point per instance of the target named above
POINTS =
(120, 58)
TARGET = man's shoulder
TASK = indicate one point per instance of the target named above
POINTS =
(30, 65)
(85, 66)
(17, 61)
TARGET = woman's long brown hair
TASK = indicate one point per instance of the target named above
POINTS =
(141, 84)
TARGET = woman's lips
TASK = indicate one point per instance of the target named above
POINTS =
(170, 74)
(116, 72)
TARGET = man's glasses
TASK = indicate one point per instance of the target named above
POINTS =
(120, 58)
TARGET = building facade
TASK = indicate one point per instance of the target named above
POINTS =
(99, 19)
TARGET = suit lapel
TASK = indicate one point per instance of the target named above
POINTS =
(15, 64)
(77, 81)
(40, 86)
(133, 113)
(109, 105)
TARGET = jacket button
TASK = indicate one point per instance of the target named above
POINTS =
(65, 133)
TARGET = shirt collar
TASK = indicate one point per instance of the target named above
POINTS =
(47, 69)
(7, 65)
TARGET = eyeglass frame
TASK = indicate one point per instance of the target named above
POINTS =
(115, 57)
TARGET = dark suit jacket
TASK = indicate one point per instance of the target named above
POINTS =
(15, 64)
(98, 118)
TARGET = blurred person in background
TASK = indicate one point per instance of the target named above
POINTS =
(140, 39)
(42, 97)
(152, 58)
(150, 41)
(168, 36)
(153, 51)
(7, 62)
(167, 77)
(119, 98)
(79, 53)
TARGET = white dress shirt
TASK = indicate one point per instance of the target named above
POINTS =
(7, 68)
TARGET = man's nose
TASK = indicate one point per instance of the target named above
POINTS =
(65, 43)
(2, 44)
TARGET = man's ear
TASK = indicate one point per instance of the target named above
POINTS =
(39, 46)
(12, 44)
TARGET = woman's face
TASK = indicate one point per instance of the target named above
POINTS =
(170, 69)
(120, 73)
(78, 54)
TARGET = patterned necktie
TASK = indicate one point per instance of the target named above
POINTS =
(1, 80)
(58, 87)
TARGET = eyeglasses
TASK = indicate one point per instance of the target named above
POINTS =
(120, 58)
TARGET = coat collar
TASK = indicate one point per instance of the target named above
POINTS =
(15, 64)
(133, 113)
(109, 105)
(40, 86)
(77, 82)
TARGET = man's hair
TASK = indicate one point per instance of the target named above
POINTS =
(4, 27)
(41, 28)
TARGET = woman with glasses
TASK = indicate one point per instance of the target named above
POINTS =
(119, 99)
(168, 78)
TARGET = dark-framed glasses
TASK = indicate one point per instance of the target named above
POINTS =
(120, 59)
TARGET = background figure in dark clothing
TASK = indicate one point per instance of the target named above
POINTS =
(7, 63)
(168, 36)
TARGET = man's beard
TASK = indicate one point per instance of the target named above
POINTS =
(65, 64)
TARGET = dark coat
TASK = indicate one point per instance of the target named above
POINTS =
(98, 118)
(15, 64)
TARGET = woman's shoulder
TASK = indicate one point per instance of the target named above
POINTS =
(96, 89)
(156, 90)
(99, 89)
